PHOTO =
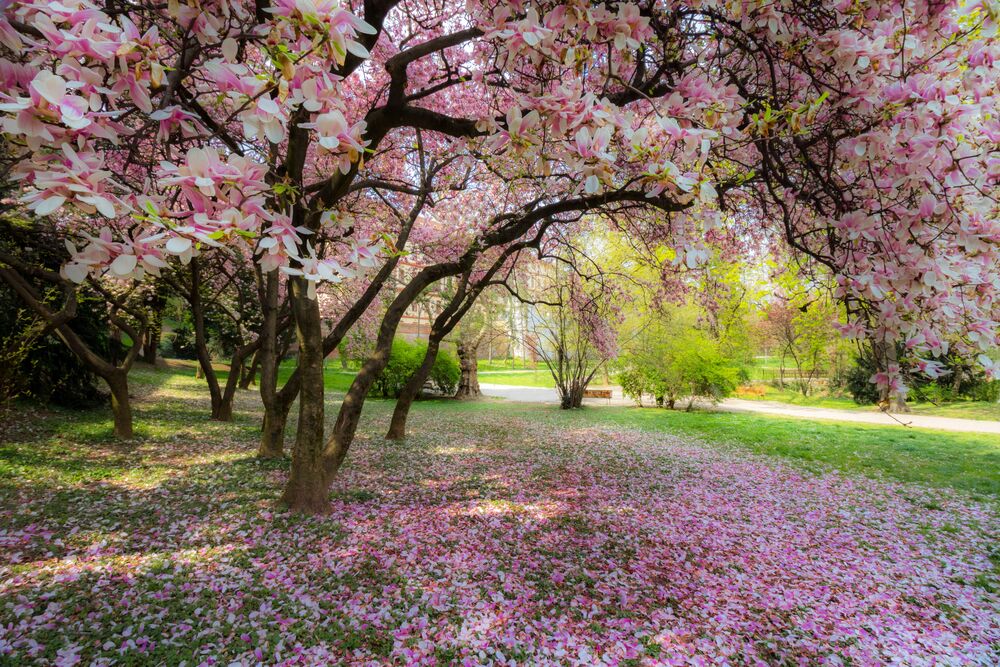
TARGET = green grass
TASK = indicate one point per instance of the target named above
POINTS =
(540, 377)
(960, 409)
(335, 378)
(980, 410)
(508, 365)
(56, 448)
(795, 397)
(965, 461)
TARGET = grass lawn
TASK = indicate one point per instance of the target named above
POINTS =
(495, 533)
(965, 461)
(960, 409)
(508, 365)
(540, 377)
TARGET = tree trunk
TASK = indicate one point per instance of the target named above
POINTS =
(354, 402)
(224, 411)
(886, 353)
(250, 372)
(272, 440)
(571, 396)
(468, 385)
(152, 344)
(121, 405)
(201, 346)
(309, 481)
(333, 454)
(397, 428)
(157, 301)
(308, 488)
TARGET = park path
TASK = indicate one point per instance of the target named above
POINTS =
(546, 395)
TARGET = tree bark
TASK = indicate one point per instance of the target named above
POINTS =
(224, 411)
(249, 377)
(468, 385)
(572, 397)
(272, 441)
(885, 355)
(278, 403)
(309, 480)
(157, 302)
(397, 427)
(219, 410)
(121, 404)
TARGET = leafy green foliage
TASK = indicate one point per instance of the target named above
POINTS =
(671, 362)
(42, 368)
(182, 339)
(857, 380)
(962, 383)
(446, 372)
(404, 360)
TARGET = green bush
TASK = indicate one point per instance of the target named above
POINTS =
(704, 371)
(857, 380)
(972, 385)
(42, 368)
(986, 390)
(446, 372)
(676, 366)
(404, 360)
(182, 340)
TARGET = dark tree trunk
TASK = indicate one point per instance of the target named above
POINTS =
(885, 355)
(236, 372)
(157, 302)
(309, 481)
(354, 402)
(150, 348)
(278, 403)
(313, 472)
(272, 441)
(313, 468)
(468, 385)
(115, 346)
(201, 345)
(572, 396)
(397, 428)
(250, 372)
(121, 404)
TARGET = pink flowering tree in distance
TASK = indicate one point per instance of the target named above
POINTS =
(864, 133)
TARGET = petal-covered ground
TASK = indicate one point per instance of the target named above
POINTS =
(478, 542)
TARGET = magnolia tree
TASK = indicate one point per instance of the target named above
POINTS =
(864, 133)
(575, 309)
(496, 269)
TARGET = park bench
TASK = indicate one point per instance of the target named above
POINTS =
(597, 393)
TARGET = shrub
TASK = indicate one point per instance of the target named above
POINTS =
(704, 371)
(42, 368)
(404, 360)
(857, 380)
(687, 364)
(446, 372)
(182, 340)
(986, 390)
